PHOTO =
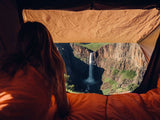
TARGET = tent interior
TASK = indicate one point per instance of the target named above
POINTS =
(85, 21)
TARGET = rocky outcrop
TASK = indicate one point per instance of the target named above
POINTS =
(80, 52)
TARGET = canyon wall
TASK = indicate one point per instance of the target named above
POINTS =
(124, 65)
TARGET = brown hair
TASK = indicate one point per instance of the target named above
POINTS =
(35, 46)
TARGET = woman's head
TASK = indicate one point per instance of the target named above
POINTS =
(35, 47)
(34, 40)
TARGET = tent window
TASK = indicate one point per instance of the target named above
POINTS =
(105, 68)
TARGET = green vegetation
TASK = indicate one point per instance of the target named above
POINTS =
(118, 87)
(119, 90)
(76, 56)
(128, 74)
(69, 87)
(84, 59)
(106, 91)
(125, 74)
(115, 85)
(66, 77)
(110, 81)
(115, 72)
(132, 87)
(107, 80)
(129, 88)
(92, 46)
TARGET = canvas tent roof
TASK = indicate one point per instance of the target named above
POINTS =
(112, 26)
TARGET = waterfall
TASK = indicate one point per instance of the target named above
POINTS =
(90, 80)
(90, 76)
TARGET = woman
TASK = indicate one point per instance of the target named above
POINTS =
(32, 83)
(32, 87)
(36, 53)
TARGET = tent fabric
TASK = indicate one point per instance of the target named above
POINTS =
(148, 44)
(87, 106)
(115, 26)
(54, 4)
(92, 4)
(112, 26)
(9, 25)
(124, 4)
(151, 75)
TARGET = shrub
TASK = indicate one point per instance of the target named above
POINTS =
(115, 71)
(107, 80)
(106, 91)
(112, 82)
(128, 74)
(132, 87)
(69, 86)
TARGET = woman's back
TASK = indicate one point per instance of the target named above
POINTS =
(35, 49)
(24, 96)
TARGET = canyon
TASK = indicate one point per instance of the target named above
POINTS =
(117, 67)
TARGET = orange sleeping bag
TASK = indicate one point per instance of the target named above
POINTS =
(25, 97)
(129, 106)
(132, 106)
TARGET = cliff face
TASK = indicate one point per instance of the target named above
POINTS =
(76, 60)
(117, 67)
(124, 65)
(80, 52)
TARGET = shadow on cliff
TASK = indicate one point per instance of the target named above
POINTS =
(79, 70)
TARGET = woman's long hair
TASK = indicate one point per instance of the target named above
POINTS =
(35, 46)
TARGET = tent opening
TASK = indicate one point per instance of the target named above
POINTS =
(120, 41)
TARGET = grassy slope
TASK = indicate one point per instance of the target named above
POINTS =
(92, 46)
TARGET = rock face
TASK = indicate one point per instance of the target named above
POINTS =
(81, 52)
(118, 67)
(124, 65)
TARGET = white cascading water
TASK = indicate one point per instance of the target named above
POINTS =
(90, 80)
